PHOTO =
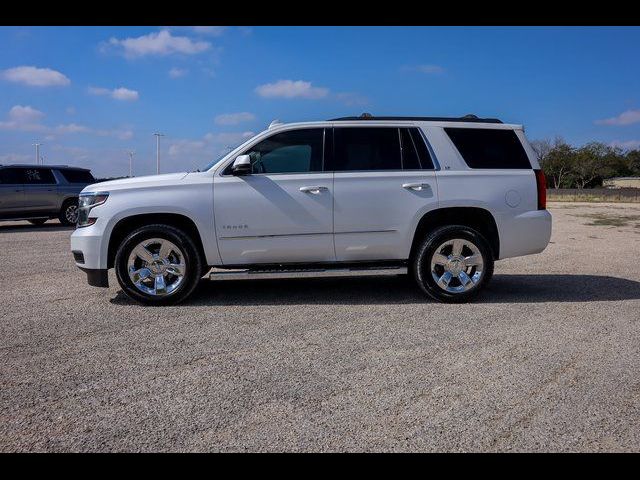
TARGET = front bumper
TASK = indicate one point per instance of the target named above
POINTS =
(90, 254)
(97, 277)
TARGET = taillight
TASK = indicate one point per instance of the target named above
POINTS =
(541, 184)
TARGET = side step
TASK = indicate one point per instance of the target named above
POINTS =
(244, 274)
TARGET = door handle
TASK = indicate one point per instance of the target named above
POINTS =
(313, 189)
(416, 186)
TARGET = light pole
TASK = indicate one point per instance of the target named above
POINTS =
(37, 145)
(131, 154)
(158, 135)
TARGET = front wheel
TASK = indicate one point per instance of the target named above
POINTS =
(453, 264)
(158, 265)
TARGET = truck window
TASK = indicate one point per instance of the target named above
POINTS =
(78, 176)
(11, 176)
(38, 176)
(295, 151)
(489, 148)
(366, 148)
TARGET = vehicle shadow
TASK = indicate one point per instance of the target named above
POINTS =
(54, 226)
(402, 290)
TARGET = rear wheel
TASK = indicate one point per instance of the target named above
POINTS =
(69, 212)
(453, 264)
(38, 221)
(158, 265)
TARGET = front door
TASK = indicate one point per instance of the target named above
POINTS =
(283, 211)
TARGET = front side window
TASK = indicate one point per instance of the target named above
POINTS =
(366, 148)
(38, 176)
(11, 176)
(295, 151)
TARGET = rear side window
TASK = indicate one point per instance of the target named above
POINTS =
(369, 148)
(489, 148)
(78, 176)
(11, 176)
(415, 154)
(38, 176)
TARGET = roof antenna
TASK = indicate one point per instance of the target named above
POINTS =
(470, 115)
(274, 123)
(366, 115)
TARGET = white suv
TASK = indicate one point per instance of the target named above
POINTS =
(438, 198)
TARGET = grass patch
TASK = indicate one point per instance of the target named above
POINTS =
(609, 220)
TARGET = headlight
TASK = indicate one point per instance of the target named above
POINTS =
(86, 202)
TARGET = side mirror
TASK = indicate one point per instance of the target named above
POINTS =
(242, 165)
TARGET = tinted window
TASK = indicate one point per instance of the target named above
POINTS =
(11, 175)
(78, 176)
(296, 151)
(35, 176)
(366, 149)
(421, 147)
(489, 148)
(410, 160)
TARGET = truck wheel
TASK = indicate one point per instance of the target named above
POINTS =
(453, 264)
(69, 212)
(158, 265)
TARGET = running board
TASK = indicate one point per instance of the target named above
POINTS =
(305, 273)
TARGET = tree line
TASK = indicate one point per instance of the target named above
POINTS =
(566, 166)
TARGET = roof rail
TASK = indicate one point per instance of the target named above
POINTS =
(467, 118)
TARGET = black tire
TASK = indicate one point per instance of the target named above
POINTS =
(192, 259)
(65, 212)
(422, 263)
(38, 221)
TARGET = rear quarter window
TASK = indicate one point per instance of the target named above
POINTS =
(77, 176)
(489, 148)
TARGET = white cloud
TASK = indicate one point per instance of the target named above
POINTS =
(428, 69)
(124, 94)
(9, 158)
(625, 118)
(35, 77)
(291, 89)
(211, 145)
(27, 119)
(627, 144)
(234, 118)
(352, 99)
(211, 31)
(176, 72)
(158, 43)
(117, 93)
(24, 114)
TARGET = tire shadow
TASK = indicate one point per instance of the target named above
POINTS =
(403, 290)
(54, 226)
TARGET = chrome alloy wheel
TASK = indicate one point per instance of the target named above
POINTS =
(71, 214)
(156, 267)
(457, 266)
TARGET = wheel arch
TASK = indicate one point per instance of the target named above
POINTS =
(478, 218)
(127, 224)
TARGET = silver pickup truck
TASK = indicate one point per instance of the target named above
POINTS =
(37, 193)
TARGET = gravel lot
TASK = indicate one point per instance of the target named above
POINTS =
(548, 359)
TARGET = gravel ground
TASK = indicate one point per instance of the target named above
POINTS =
(546, 360)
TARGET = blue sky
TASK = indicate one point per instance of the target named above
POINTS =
(91, 94)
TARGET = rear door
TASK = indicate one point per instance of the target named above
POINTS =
(11, 192)
(384, 181)
(40, 190)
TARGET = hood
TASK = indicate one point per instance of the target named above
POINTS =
(134, 182)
